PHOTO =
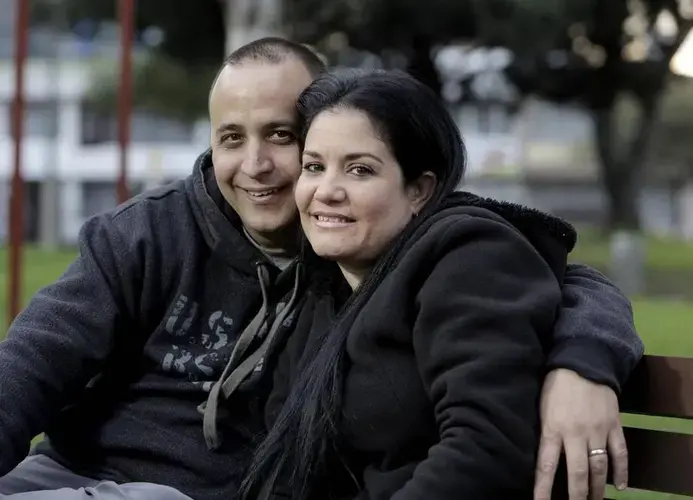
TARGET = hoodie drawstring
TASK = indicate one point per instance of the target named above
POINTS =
(235, 371)
(234, 380)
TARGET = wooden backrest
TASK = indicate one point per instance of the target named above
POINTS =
(660, 386)
(658, 461)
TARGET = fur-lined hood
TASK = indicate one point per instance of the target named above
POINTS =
(526, 219)
(551, 236)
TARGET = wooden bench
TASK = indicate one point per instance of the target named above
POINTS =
(658, 460)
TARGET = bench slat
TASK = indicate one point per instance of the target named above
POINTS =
(661, 386)
(660, 461)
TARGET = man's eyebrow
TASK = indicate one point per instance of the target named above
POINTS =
(229, 127)
(280, 124)
(234, 127)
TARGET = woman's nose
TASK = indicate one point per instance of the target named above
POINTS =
(330, 190)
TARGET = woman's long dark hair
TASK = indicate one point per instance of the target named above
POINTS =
(412, 121)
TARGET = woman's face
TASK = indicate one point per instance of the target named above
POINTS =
(351, 194)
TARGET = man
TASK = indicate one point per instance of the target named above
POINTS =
(167, 297)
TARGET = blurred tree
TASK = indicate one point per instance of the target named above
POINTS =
(593, 52)
(599, 52)
(590, 51)
(173, 78)
(596, 52)
(162, 85)
(671, 146)
(193, 31)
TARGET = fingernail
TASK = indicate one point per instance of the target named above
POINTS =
(621, 486)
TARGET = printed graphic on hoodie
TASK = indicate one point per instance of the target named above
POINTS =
(200, 355)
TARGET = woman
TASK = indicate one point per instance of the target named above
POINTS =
(398, 383)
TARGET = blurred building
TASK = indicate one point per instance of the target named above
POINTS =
(66, 141)
(70, 152)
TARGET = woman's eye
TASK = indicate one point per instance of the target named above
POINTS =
(361, 170)
(312, 168)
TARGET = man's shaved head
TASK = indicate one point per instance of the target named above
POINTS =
(274, 50)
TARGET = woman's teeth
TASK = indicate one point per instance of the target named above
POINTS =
(324, 218)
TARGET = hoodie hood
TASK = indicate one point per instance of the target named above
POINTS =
(528, 220)
(219, 223)
(551, 236)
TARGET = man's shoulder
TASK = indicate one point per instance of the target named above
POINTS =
(157, 215)
(166, 198)
(158, 208)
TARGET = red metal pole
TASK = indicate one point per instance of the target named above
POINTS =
(126, 10)
(16, 235)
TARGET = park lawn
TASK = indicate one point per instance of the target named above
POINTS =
(661, 253)
(40, 268)
(666, 326)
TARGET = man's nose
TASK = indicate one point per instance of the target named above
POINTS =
(256, 162)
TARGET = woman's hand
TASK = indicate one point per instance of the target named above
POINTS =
(579, 416)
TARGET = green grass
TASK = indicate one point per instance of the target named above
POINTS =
(660, 253)
(40, 268)
(666, 326)
(668, 263)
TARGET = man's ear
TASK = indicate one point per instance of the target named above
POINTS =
(421, 190)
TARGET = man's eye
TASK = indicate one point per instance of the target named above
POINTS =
(283, 136)
(235, 137)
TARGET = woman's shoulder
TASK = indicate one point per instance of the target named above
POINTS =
(464, 218)
(456, 211)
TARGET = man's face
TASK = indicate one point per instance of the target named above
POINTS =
(254, 142)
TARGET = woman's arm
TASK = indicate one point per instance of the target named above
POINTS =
(483, 316)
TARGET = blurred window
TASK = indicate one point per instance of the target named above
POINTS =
(98, 127)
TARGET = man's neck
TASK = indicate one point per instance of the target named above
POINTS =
(280, 250)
